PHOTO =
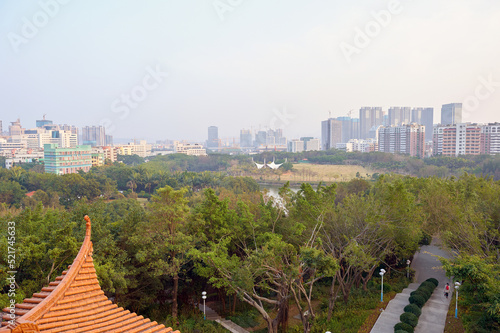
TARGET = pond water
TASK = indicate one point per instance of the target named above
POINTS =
(274, 189)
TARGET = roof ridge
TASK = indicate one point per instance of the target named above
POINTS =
(59, 291)
(55, 313)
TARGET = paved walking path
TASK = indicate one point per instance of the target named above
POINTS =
(433, 317)
(227, 324)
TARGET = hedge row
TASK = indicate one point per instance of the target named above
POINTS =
(409, 319)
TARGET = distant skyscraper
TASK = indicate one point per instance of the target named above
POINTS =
(109, 140)
(368, 118)
(94, 135)
(245, 138)
(399, 115)
(331, 133)
(213, 137)
(1, 127)
(350, 128)
(424, 116)
(260, 138)
(43, 122)
(451, 114)
(15, 128)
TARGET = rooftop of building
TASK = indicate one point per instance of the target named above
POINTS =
(75, 303)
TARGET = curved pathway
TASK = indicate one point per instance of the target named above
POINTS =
(433, 317)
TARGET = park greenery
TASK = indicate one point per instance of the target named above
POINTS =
(165, 230)
(236, 165)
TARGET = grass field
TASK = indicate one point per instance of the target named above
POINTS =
(326, 173)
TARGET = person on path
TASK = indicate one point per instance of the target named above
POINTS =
(447, 290)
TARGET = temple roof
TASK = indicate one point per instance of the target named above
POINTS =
(75, 303)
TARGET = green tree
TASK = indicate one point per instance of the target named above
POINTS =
(162, 240)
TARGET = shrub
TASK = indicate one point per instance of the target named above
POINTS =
(409, 318)
(403, 327)
(400, 331)
(413, 308)
(428, 284)
(418, 300)
(434, 281)
(425, 294)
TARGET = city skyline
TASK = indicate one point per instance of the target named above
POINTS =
(348, 127)
(168, 70)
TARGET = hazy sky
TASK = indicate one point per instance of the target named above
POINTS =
(161, 69)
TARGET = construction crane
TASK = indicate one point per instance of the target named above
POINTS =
(349, 114)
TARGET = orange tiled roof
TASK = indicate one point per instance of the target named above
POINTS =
(75, 303)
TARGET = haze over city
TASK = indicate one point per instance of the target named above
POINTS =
(242, 64)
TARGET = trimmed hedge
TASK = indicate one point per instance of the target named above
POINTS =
(403, 327)
(434, 281)
(413, 308)
(428, 285)
(409, 318)
(418, 300)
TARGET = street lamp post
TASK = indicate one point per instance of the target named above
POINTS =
(382, 272)
(457, 285)
(408, 262)
(204, 296)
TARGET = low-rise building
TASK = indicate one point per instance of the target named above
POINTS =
(364, 146)
(24, 155)
(110, 153)
(142, 149)
(63, 161)
(97, 156)
(190, 149)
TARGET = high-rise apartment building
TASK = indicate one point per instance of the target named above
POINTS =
(213, 137)
(245, 138)
(109, 140)
(404, 139)
(458, 139)
(424, 116)
(274, 137)
(94, 135)
(451, 114)
(260, 138)
(350, 128)
(369, 117)
(399, 115)
(490, 139)
(331, 133)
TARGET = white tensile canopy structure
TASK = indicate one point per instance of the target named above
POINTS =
(271, 165)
